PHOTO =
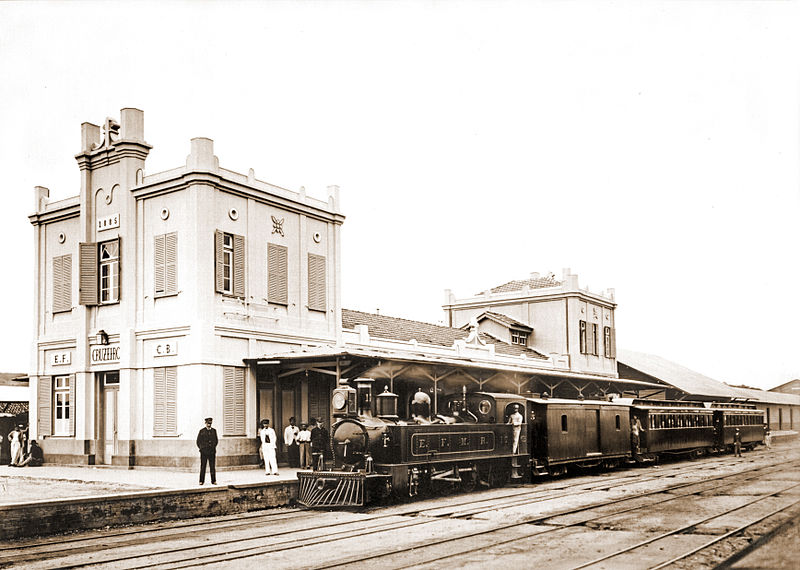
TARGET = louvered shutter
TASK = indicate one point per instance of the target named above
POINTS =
(233, 400)
(219, 261)
(238, 266)
(171, 401)
(316, 283)
(277, 274)
(87, 260)
(613, 343)
(44, 401)
(158, 401)
(62, 283)
(72, 405)
(171, 263)
(159, 268)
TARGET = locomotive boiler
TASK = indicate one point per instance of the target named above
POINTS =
(376, 453)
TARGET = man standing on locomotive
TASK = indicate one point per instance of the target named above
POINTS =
(515, 420)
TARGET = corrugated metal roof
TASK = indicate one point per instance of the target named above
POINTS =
(767, 397)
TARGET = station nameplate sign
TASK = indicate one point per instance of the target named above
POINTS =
(108, 222)
(59, 358)
(101, 354)
(166, 348)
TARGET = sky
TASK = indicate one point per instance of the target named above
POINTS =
(653, 148)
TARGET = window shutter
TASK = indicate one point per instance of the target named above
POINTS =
(171, 263)
(316, 283)
(158, 401)
(277, 274)
(583, 336)
(171, 401)
(159, 268)
(62, 283)
(72, 405)
(44, 410)
(219, 243)
(613, 342)
(233, 400)
(238, 266)
(87, 290)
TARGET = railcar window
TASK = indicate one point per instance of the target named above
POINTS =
(564, 423)
(617, 422)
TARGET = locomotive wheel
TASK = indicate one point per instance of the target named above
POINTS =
(468, 481)
(498, 476)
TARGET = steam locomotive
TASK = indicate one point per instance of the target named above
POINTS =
(489, 439)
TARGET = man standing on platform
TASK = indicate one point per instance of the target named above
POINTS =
(207, 444)
(292, 447)
(269, 442)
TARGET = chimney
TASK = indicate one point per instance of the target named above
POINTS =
(42, 197)
(202, 156)
(333, 197)
(90, 136)
(132, 124)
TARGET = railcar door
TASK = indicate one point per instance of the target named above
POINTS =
(592, 422)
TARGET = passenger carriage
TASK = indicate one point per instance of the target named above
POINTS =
(584, 433)
(673, 427)
(728, 417)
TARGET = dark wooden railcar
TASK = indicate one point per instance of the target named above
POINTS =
(673, 427)
(578, 432)
(728, 417)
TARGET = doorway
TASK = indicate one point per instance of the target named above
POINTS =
(109, 414)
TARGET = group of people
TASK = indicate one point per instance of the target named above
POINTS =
(20, 456)
(306, 446)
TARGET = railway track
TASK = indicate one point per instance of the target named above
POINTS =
(287, 535)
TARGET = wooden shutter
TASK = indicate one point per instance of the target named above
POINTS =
(165, 253)
(159, 398)
(277, 274)
(159, 267)
(238, 266)
(44, 405)
(165, 401)
(72, 405)
(613, 343)
(171, 401)
(171, 263)
(62, 283)
(583, 337)
(219, 275)
(233, 403)
(316, 283)
(87, 261)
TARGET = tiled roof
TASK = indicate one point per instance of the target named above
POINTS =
(394, 328)
(505, 319)
(533, 283)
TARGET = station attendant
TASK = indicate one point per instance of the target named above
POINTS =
(737, 442)
(269, 442)
(290, 440)
(304, 441)
(515, 420)
(207, 444)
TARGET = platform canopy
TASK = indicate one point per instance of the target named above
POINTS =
(442, 375)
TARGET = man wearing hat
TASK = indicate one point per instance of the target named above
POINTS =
(207, 444)
(269, 442)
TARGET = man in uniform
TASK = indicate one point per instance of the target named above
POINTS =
(269, 442)
(207, 444)
(515, 420)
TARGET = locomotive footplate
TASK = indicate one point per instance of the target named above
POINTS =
(338, 488)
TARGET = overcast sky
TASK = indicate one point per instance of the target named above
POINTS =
(650, 147)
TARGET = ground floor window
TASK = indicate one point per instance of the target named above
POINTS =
(62, 406)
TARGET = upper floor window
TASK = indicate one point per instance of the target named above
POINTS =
(593, 343)
(229, 263)
(317, 283)
(99, 272)
(165, 256)
(277, 274)
(583, 337)
(519, 338)
(608, 342)
(62, 283)
(109, 272)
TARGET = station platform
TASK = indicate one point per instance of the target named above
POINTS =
(52, 499)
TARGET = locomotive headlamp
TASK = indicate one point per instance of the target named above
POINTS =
(339, 401)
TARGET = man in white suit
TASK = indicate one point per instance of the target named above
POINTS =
(269, 441)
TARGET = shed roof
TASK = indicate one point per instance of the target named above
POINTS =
(674, 374)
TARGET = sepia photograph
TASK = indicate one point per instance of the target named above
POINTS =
(400, 284)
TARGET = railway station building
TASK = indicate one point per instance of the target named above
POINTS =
(151, 290)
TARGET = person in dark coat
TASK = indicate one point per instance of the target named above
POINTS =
(36, 456)
(207, 444)
(319, 440)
